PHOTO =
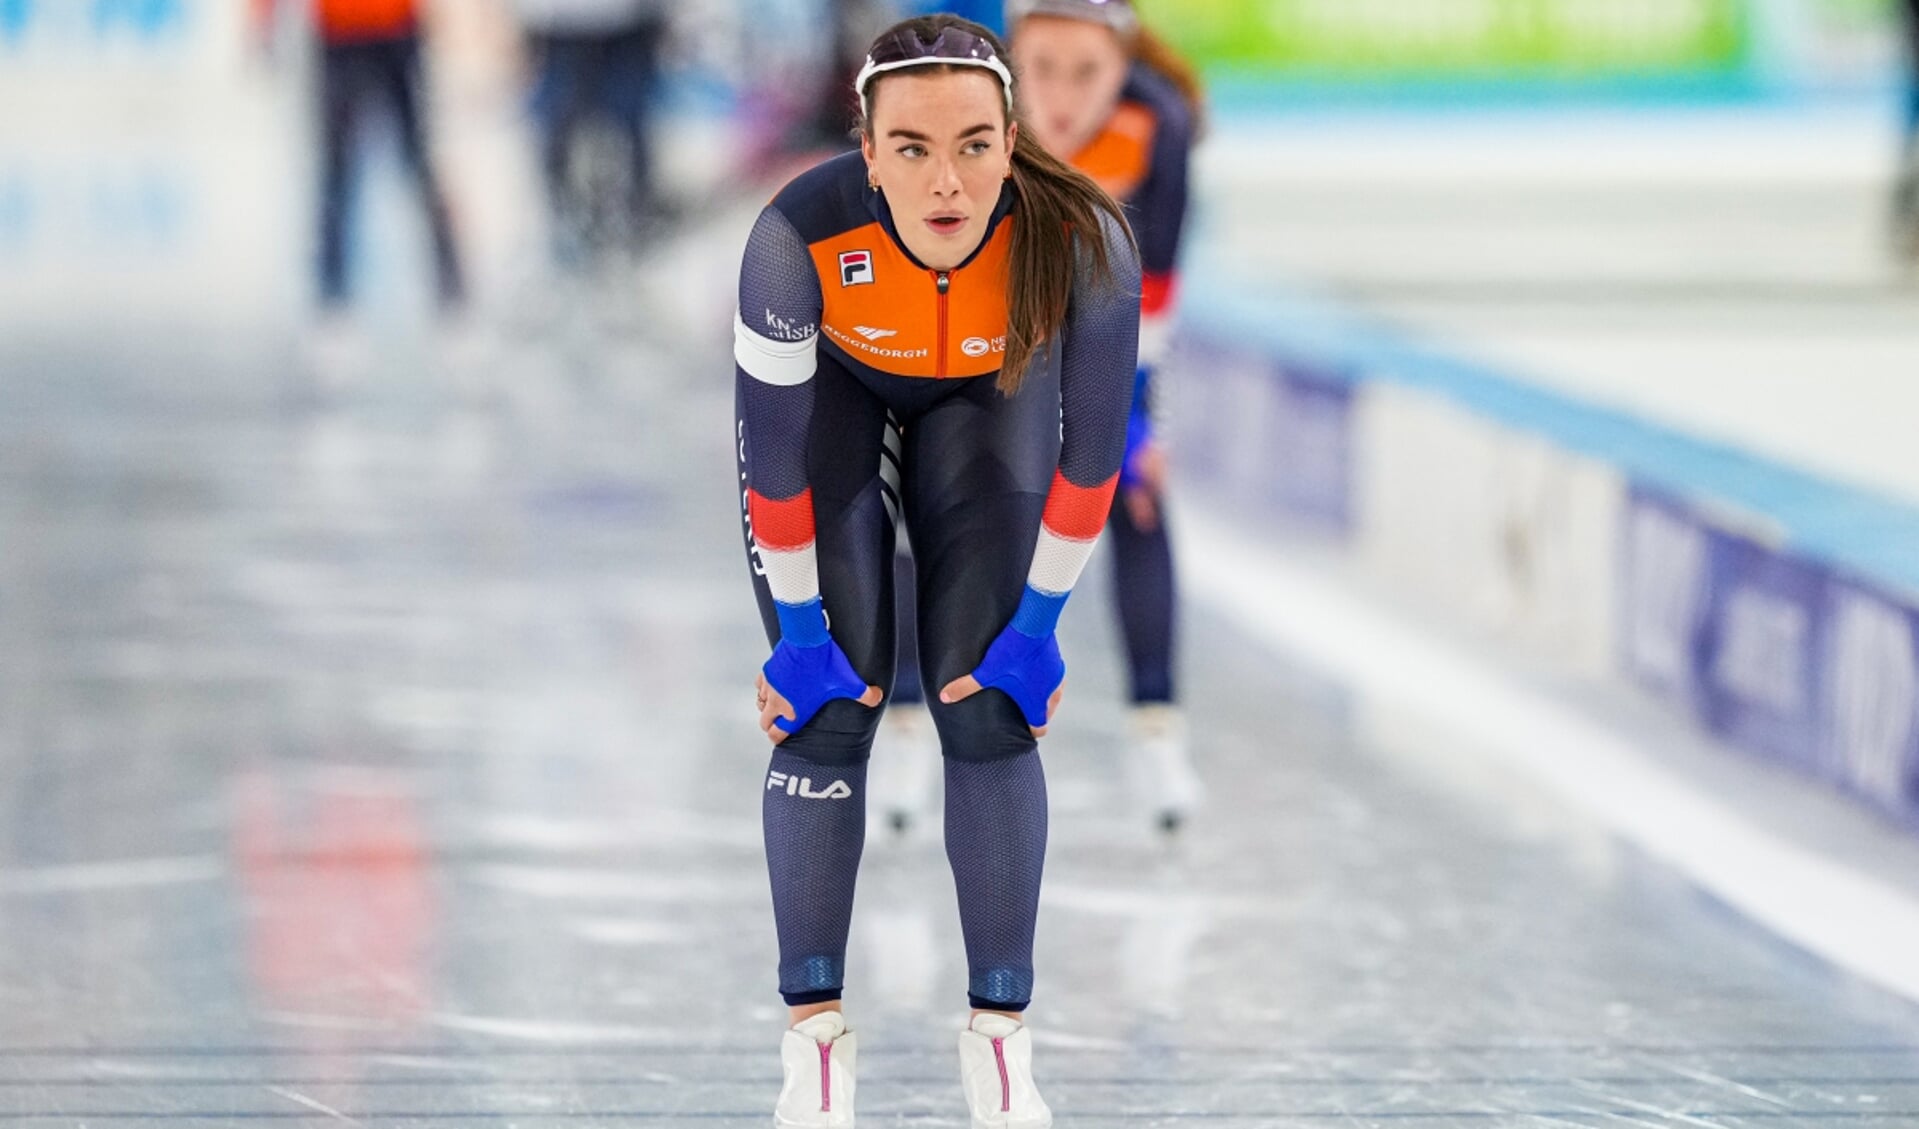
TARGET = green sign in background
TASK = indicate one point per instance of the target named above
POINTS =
(1459, 38)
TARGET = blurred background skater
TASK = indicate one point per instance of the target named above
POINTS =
(370, 60)
(597, 71)
(1107, 95)
(1906, 193)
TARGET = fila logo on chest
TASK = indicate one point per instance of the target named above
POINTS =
(856, 268)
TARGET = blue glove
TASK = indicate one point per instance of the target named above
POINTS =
(1139, 428)
(1028, 668)
(808, 668)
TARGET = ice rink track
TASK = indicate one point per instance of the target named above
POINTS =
(377, 743)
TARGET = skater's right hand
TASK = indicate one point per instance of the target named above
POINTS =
(796, 681)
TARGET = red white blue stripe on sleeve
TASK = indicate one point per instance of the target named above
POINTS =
(1068, 531)
(1156, 317)
(783, 534)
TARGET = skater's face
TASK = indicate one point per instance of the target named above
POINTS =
(1070, 74)
(939, 145)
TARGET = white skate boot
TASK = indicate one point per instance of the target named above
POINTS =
(1164, 780)
(996, 1071)
(819, 1057)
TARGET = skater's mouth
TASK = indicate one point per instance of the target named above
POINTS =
(945, 223)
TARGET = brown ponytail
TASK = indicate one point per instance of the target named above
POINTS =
(1056, 202)
(1157, 55)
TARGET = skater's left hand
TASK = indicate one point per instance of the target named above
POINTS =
(1027, 669)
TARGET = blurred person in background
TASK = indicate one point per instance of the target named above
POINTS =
(1906, 193)
(954, 278)
(370, 56)
(1106, 94)
(597, 62)
(852, 24)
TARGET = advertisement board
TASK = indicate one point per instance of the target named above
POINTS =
(1272, 438)
(1757, 660)
(1492, 524)
(1869, 697)
(1459, 38)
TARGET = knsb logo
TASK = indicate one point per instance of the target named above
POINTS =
(802, 786)
(872, 334)
(856, 268)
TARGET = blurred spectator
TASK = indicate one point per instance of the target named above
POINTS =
(854, 23)
(370, 53)
(597, 62)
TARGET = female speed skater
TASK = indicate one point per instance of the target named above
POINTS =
(950, 318)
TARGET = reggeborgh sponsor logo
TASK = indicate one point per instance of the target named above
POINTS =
(872, 334)
(867, 347)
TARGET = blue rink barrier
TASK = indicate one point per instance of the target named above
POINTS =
(1777, 609)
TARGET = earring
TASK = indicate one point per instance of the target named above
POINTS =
(872, 181)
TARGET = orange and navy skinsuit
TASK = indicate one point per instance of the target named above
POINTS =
(1141, 159)
(866, 381)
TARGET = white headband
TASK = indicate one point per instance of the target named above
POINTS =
(872, 70)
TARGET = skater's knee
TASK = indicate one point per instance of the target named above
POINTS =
(840, 734)
(985, 727)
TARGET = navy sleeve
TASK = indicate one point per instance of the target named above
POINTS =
(775, 343)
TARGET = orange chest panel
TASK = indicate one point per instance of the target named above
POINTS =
(889, 314)
(1121, 156)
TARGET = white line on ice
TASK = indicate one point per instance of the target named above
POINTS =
(298, 1098)
(544, 1031)
(1856, 922)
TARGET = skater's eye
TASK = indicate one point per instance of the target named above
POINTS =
(977, 149)
(912, 152)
